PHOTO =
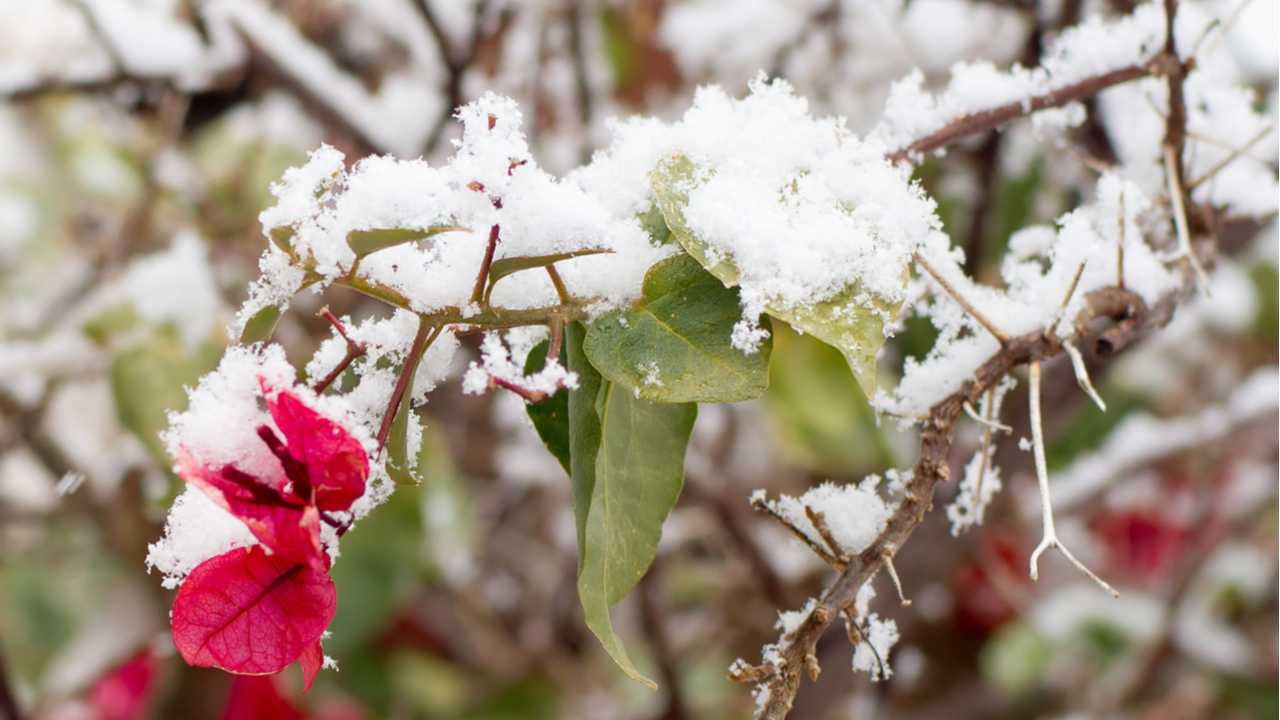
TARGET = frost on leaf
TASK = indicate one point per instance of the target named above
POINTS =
(249, 612)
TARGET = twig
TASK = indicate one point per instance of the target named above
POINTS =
(427, 332)
(1050, 539)
(991, 327)
(932, 467)
(763, 505)
(1180, 220)
(1124, 224)
(985, 421)
(988, 410)
(354, 350)
(982, 121)
(561, 291)
(824, 531)
(1052, 327)
(482, 277)
(1231, 157)
(530, 396)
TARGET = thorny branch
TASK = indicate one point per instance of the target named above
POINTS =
(1111, 319)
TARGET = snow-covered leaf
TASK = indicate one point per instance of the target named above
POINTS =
(851, 320)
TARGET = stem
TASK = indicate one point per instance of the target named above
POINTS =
(482, 277)
(354, 350)
(426, 333)
(977, 122)
(561, 291)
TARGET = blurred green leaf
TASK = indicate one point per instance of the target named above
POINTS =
(1015, 658)
(1088, 427)
(674, 345)
(148, 380)
(112, 321)
(822, 419)
(1266, 282)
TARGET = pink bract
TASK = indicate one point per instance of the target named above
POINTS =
(251, 613)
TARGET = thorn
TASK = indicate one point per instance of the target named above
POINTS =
(988, 423)
(982, 320)
(1082, 375)
(1050, 538)
(1180, 220)
(887, 557)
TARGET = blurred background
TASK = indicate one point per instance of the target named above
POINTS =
(138, 140)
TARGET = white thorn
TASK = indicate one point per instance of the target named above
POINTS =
(1180, 220)
(992, 424)
(1082, 375)
(1050, 538)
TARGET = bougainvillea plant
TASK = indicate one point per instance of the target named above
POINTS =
(617, 298)
(257, 609)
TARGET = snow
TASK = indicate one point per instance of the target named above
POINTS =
(196, 530)
(855, 514)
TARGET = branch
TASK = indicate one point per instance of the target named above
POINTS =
(1127, 316)
(990, 119)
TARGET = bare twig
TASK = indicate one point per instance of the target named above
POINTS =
(1231, 157)
(887, 558)
(482, 277)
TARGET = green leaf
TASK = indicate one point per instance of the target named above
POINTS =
(655, 225)
(853, 325)
(627, 457)
(509, 265)
(551, 416)
(114, 320)
(673, 346)
(149, 379)
(259, 327)
(367, 242)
